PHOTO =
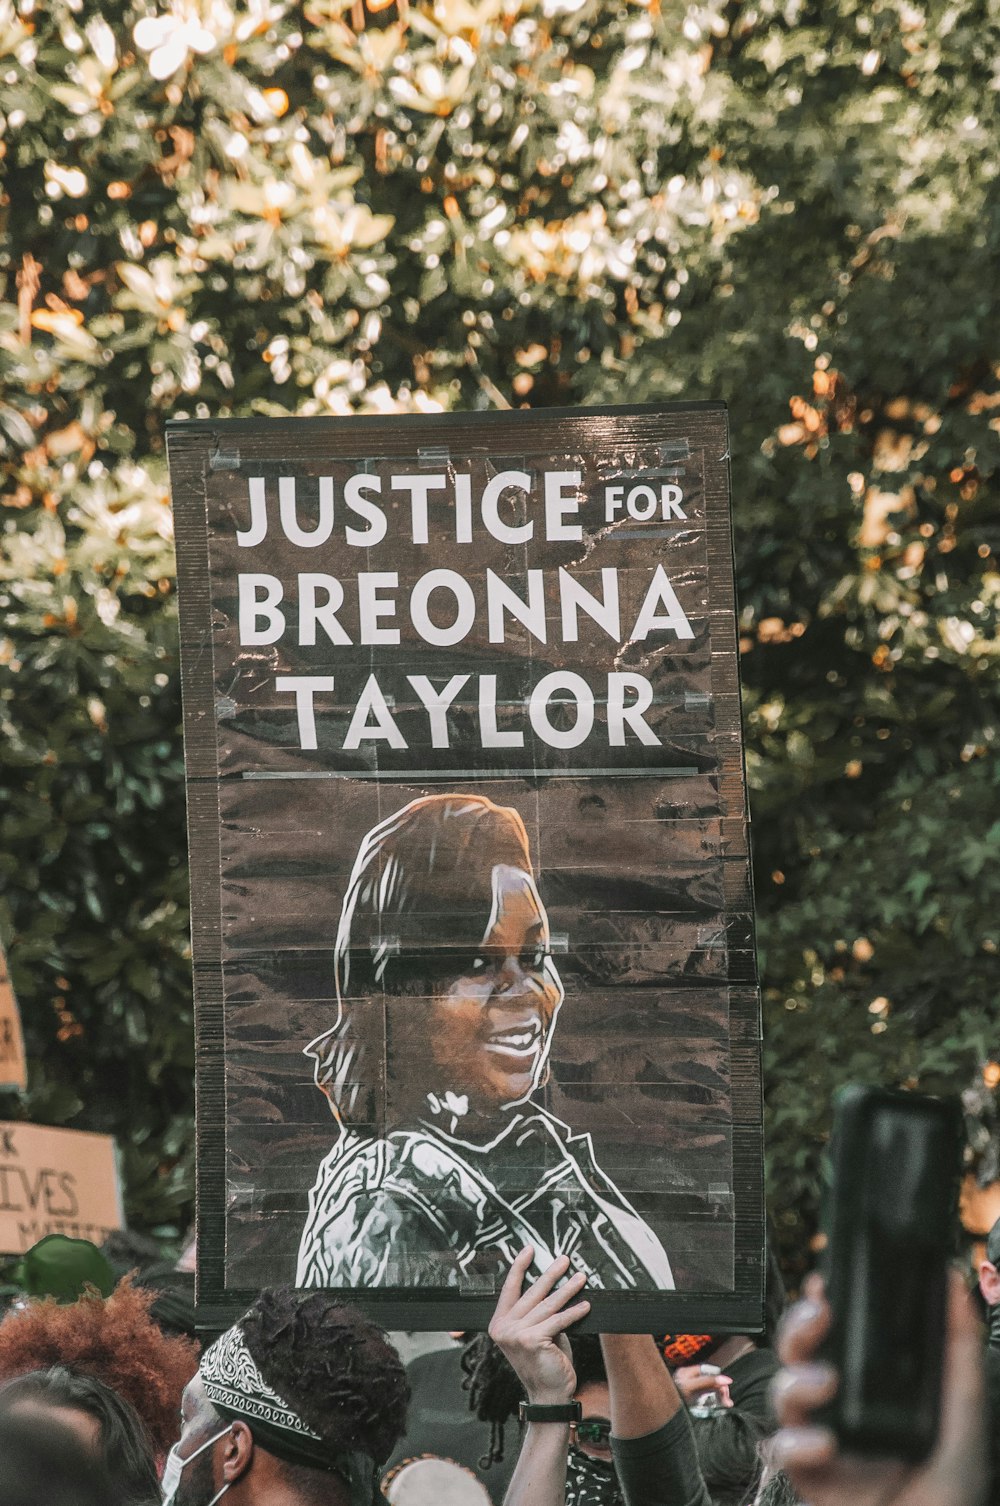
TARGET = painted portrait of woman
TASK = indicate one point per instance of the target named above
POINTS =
(444, 1162)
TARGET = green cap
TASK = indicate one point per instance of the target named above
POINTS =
(60, 1267)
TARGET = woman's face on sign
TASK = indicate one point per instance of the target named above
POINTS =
(485, 1036)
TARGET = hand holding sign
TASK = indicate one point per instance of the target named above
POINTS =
(530, 1327)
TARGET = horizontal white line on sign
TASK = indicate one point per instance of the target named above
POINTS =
(405, 776)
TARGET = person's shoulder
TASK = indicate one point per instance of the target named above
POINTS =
(756, 1365)
(751, 1375)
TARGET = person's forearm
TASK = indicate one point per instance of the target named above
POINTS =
(540, 1476)
(643, 1395)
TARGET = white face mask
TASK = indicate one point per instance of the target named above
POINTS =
(175, 1465)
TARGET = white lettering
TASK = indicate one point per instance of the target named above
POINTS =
(574, 597)
(619, 714)
(500, 598)
(490, 502)
(371, 606)
(312, 614)
(557, 505)
(437, 703)
(661, 594)
(671, 498)
(312, 537)
(304, 687)
(538, 709)
(418, 487)
(641, 503)
(373, 515)
(489, 734)
(463, 508)
(257, 532)
(372, 703)
(253, 607)
(465, 614)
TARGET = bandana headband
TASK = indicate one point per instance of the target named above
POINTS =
(232, 1380)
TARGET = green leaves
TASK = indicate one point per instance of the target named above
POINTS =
(263, 208)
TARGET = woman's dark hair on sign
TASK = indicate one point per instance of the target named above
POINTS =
(433, 859)
(125, 1448)
(43, 1461)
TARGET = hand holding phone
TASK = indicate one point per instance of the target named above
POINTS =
(892, 1220)
(823, 1473)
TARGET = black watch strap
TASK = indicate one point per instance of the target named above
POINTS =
(562, 1411)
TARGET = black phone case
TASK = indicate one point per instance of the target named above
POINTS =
(891, 1227)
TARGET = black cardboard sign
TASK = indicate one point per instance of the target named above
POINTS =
(473, 935)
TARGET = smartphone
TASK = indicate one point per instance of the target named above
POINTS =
(891, 1228)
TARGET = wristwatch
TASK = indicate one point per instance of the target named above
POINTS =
(561, 1411)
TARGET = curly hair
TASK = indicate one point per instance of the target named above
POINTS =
(112, 1338)
(337, 1369)
(495, 1391)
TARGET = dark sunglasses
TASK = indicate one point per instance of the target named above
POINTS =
(595, 1432)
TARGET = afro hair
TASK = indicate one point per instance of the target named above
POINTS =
(332, 1365)
(112, 1338)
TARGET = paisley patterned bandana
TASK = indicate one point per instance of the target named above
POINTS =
(232, 1380)
(235, 1387)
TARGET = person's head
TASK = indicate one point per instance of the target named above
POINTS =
(591, 1436)
(591, 1478)
(111, 1339)
(989, 1268)
(303, 1397)
(442, 966)
(43, 1461)
(495, 1391)
(107, 1427)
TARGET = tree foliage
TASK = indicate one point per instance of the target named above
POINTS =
(219, 208)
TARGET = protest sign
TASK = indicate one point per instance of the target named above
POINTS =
(13, 1066)
(56, 1181)
(473, 940)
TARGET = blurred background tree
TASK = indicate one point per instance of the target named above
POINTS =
(218, 208)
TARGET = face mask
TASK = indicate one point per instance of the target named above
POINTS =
(175, 1466)
(591, 1482)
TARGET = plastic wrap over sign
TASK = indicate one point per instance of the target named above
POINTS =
(473, 935)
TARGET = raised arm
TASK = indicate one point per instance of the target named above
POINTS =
(643, 1395)
(653, 1444)
(529, 1327)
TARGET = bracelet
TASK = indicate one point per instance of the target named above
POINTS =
(563, 1411)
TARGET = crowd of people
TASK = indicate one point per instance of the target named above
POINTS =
(107, 1398)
